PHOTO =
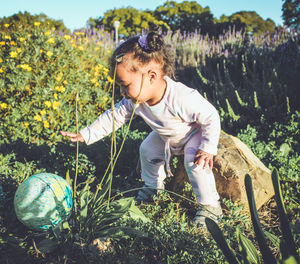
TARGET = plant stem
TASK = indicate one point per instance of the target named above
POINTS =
(77, 151)
(113, 158)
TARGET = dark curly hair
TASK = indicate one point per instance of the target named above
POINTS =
(155, 50)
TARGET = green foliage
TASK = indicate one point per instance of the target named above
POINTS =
(169, 237)
(252, 23)
(132, 21)
(248, 252)
(291, 13)
(187, 16)
(13, 172)
(25, 21)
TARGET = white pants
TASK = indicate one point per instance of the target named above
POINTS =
(152, 156)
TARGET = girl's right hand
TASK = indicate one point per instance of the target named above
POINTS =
(72, 136)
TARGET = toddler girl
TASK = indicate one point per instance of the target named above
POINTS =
(183, 122)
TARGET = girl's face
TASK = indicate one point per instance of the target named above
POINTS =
(135, 84)
(145, 83)
(130, 82)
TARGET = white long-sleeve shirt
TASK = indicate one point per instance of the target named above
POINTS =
(181, 112)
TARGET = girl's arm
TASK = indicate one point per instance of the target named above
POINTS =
(103, 125)
(196, 108)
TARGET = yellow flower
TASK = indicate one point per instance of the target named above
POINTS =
(80, 48)
(46, 124)
(94, 80)
(1, 70)
(6, 25)
(13, 54)
(55, 96)
(22, 39)
(47, 103)
(12, 43)
(49, 53)
(67, 37)
(37, 24)
(97, 84)
(47, 33)
(1, 60)
(2, 43)
(19, 50)
(26, 124)
(105, 98)
(59, 76)
(38, 118)
(43, 112)
(96, 48)
(105, 71)
(27, 88)
(65, 82)
(51, 40)
(28, 35)
(7, 37)
(79, 33)
(25, 67)
(41, 50)
(60, 88)
(109, 79)
(99, 43)
(55, 105)
(3, 105)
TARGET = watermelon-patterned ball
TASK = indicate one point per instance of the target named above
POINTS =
(42, 201)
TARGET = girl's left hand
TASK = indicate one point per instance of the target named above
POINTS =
(206, 158)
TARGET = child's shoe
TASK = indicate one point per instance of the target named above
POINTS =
(146, 194)
(214, 213)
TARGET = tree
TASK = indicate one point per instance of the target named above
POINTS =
(22, 21)
(291, 13)
(252, 23)
(131, 20)
(187, 16)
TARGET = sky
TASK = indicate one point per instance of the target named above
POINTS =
(75, 13)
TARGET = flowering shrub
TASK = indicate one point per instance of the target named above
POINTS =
(40, 74)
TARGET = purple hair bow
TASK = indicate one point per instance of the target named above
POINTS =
(144, 44)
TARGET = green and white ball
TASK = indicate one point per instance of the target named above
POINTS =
(42, 201)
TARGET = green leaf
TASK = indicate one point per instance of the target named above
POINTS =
(290, 260)
(135, 213)
(248, 250)
(274, 239)
(217, 235)
(68, 179)
(285, 149)
(284, 223)
(265, 251)
(84, 201)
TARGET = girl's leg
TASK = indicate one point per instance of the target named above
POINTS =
(202, 180)
(153, 161)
